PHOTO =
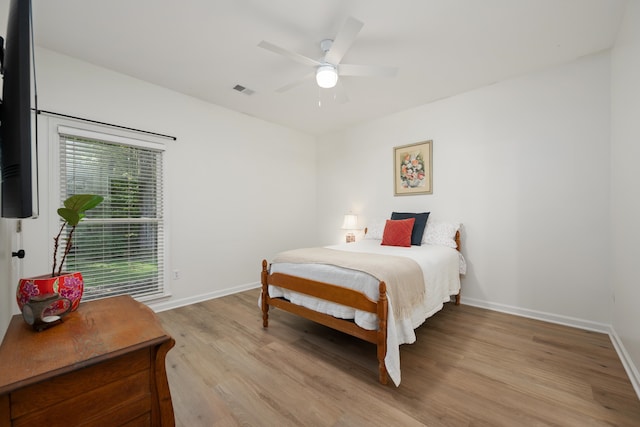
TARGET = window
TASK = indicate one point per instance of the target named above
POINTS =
(119, 246)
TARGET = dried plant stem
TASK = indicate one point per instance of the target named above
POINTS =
(67, 249)
(56, 242)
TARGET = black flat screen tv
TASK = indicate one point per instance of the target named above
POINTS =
(16, 153)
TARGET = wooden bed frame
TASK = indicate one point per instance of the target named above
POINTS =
(338, 295)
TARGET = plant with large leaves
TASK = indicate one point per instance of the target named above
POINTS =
(72, 213)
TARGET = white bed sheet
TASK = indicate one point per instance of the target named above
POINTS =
(441, 267)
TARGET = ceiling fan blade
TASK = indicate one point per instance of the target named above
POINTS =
(366, 70)
(295, 83)
(343, 40)
(289, 54)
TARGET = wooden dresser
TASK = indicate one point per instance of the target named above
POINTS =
(104, 365)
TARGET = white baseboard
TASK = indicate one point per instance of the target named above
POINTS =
(159, 306)
(629, 366)
(627, 363)
(540, 315)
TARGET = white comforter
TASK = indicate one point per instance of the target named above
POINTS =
(441, 267)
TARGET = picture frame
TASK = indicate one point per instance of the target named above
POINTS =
(413, 169)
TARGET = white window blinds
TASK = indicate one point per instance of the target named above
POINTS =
(119, 246)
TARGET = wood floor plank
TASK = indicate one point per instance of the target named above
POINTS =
(468, 367)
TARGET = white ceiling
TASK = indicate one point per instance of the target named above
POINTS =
(203, 48)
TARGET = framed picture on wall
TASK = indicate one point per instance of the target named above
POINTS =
(412, 168)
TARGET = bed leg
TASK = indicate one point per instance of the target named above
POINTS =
(265, 294)
(458, 298)
(382, 332)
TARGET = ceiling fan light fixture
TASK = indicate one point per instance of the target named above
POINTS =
(326, 76)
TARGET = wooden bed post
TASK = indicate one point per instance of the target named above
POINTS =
(382, 332)
(265, 294)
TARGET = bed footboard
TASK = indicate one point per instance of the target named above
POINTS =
(336, 294)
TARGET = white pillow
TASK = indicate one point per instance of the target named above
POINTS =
(441, 233)
(375, 230)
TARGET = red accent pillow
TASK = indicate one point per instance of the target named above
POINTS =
(398, 232)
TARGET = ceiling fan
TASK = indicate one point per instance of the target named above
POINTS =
(328, 69)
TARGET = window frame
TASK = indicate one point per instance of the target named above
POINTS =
(62, 126)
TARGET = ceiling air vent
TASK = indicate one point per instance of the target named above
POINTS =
(244, 90)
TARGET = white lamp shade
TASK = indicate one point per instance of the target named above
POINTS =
(350, 222)
(326, 76)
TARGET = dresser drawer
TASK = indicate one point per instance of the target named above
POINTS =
(118, 388)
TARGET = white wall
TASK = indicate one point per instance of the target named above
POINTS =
(6, 294)
(625, 178)
(524, 164)
(236, 186)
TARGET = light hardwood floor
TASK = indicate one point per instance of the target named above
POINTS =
(469, 367)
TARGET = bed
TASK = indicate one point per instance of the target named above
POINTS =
(360, 302)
